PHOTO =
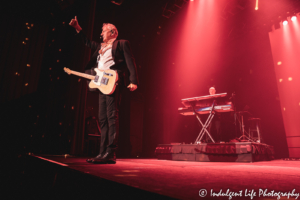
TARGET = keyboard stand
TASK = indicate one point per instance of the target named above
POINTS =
(205, 125)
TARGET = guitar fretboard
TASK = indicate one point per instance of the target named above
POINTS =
(83, 75)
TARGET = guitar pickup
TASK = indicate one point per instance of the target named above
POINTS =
(107, 74)
(104, 80)
(96, 79)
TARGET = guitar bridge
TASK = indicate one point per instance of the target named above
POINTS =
(104, 80)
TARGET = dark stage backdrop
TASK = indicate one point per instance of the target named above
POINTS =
(50, 118)
(42, 107)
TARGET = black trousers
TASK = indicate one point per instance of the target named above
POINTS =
(109, 120)
(215, 130)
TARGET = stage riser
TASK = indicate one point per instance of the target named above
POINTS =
(213, 158)
(230, 152)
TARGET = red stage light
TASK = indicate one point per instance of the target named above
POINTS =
(256, 5)
(285, 46)
(294, 18)
(285, 22)
(197, 46)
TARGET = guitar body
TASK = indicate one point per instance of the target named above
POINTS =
(105, 81)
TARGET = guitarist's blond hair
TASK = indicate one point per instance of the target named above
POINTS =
(112, 28)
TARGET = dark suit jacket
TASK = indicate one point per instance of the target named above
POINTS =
(121, 53)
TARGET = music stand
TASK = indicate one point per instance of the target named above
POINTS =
(241, 121)
(255, 122)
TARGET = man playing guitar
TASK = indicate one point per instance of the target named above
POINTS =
(116, 55)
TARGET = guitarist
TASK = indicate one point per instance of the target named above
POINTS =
(116, 55)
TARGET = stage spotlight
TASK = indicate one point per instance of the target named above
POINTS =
(294, 18)
(285, 22)
(256, 5)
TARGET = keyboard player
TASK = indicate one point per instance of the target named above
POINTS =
(212, 91)
(223, 107)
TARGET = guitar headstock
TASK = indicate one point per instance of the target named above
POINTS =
(67, 70)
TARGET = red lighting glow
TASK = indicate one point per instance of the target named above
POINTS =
(197, 47)
(285, 22)
(62, 164)
(294, 18)
(285, 45)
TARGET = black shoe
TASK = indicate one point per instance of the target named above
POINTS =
(90, 160)
(107, 158)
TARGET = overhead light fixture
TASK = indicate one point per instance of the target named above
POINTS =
(256, 5)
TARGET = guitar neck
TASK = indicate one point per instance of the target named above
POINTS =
(83, 75)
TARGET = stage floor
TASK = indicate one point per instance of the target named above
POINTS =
(184, 180)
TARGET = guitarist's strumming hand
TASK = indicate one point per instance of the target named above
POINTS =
(132, 87)
(74, 24)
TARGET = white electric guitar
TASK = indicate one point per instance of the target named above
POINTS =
(105, 81)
